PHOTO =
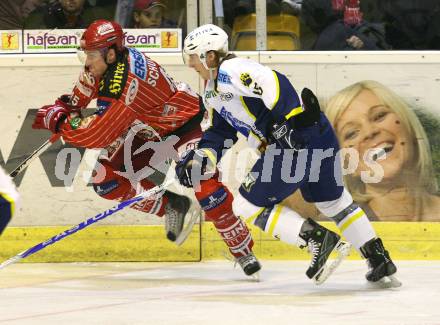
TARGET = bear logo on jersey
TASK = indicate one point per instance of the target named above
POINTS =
(246, 79)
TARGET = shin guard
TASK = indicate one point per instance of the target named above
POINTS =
(216, 200)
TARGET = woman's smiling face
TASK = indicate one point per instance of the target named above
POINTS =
(373, 129)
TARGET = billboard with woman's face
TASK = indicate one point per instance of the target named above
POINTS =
(376, 122)
(385, 110)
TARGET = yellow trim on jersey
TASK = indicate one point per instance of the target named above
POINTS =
(246, 108)
(277, 84)
(294, 112)
(252, 218)
(210, 155)
(11, 202)
(211, 116)
(352, 219)
(275, 219)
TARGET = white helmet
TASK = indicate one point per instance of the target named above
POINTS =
(204, 39)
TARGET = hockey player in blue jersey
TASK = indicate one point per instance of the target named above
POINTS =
(9, 199)
(291, 133)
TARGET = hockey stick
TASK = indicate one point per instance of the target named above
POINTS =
(88, 222)
(25, 163)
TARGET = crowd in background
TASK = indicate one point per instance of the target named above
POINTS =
(322, 24)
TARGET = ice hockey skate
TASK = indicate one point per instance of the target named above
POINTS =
(250, 265)
(381, 267)
(321, 242)
(179, 218)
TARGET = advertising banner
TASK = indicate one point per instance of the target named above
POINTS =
(11, 41)
(67, 40)
(384, 108)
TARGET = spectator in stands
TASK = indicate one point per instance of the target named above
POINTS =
(59, 14)
(150, 14)
(412, 25)
(13, 12)
(339, 26)
(385, 131)
(29, 6)
(68, 14)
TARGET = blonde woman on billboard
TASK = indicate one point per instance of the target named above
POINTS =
(386, 133)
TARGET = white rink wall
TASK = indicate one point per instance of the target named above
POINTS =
(31, 81)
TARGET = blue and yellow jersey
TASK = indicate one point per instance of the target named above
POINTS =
(9, 199)
(248, 98)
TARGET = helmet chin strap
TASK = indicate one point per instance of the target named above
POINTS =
(211, 70)
(211, 73)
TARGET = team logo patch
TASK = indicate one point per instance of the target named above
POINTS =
(132, 91)
(248, 182)
(246, 79)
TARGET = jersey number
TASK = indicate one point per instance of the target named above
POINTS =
(257, 90)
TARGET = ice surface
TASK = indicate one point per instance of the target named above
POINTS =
(213, 293)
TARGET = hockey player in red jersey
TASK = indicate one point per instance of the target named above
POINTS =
(136, 96)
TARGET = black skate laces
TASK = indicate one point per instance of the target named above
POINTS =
(313, 248)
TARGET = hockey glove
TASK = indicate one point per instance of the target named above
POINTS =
(196, 165)
(312, 111)
(296, 132)
(51, 117)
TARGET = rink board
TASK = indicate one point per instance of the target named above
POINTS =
(49, 203)
(406, 241)
(49, 198)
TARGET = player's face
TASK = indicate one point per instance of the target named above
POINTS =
(151, 18)
(95, 63)
(195, 63)
(368, 126)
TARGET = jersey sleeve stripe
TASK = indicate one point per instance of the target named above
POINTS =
(277, 85)
(295, 111)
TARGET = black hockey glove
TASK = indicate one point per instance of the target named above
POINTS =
(296, 132)
(196, 165)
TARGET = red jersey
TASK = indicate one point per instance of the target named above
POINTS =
(135, 88)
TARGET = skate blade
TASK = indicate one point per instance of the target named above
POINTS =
(194, 215)
(342, 248)
(386, 282)
(254, 277)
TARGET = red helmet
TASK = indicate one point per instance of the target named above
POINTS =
(103, 34)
